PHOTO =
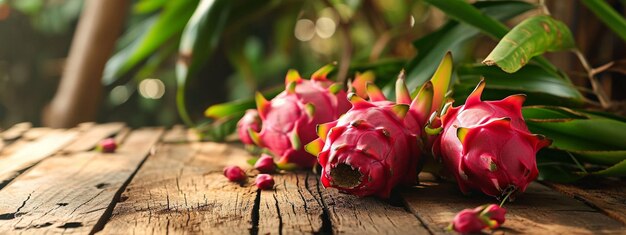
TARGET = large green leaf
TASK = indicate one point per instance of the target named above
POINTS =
(454, 37)
(532, 37)
(541, 86)
(461, 11)
(608, 15)
(170, 23)
(591, 138)
(576, 133)
(199, 39)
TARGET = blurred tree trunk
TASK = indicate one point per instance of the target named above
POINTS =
(78, 97)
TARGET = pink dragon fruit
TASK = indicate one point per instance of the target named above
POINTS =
(378, 144)
(487, 146)
(249, 121)
(289, 120)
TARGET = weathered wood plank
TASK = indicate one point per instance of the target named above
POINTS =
(15, 131)
(539, 210)
(181, 189)
(71, 193)
(177, 134)
(293, 207)
(92, 136)
(607, 195)
(33, 152)
(353, 215)
(35, 133)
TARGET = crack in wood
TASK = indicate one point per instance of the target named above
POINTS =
(280, 217)
(9, 216)
(254, 230)
(327, 226)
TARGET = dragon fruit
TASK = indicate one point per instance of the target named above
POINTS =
(487, 146)
(249, 121)
(289, 120)
(378, 144)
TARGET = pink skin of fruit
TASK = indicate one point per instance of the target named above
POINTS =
(289, 120)
(265, 164)
(487, 146)
(107, 145)
(264, 181)
(249, 121)
(467, 221)
(496, 214)
(235, 174)
(475, 220)
(370, 149)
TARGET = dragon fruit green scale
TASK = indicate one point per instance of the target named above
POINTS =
(289, 120)
(487, 146)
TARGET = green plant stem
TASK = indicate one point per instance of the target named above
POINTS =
(506, 197)
(595, 84)
(182, 108)
(577, 162)
(544, 8)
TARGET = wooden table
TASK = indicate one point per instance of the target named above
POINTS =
(162, 181)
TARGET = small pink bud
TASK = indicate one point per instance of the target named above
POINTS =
(474, 220)
(495, 214)
(107, 145)
(264, 181)
(467, 221)
(235, 174)
(265, 164)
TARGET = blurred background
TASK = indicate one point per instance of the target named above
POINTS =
(252, 51)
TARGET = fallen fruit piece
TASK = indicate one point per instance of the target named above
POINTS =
(107, 145)
(264, 181)
(265, 164)
(475, 220)
(235, 174)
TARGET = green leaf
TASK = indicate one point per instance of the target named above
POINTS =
(461, 11)
(228, 108)
(608, 15)
(557, 166)
(454, 37)
(616, 170)
(542, 86)
(199, 39)
(532, 37)
(170, 23)
(147, 6)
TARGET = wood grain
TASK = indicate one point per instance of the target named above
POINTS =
(353, 215)
(15, 131)
(71, 193)
(293, 207)
(33, 152)
(92, 136)
(181, 189)
(539, 210)
(607, 195)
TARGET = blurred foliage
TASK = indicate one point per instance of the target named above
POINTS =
(35, 36)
